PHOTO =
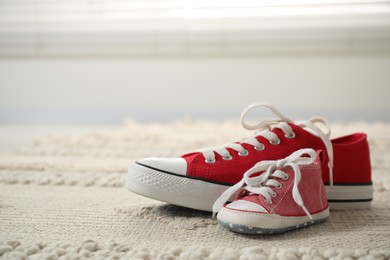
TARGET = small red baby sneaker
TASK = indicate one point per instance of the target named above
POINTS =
(288, 194)
(197, 179)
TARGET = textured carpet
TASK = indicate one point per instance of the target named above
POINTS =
(63, 197)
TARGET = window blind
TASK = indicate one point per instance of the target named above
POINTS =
(192, 27)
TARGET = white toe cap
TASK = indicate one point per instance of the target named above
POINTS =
(171, 165)
(246, 205)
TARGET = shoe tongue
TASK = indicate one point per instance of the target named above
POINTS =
(252, 198)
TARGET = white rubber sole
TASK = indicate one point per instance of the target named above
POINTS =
(177, 190)
(349, 196)
(260, 223)
(198, 194)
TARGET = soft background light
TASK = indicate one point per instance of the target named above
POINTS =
(105, 61)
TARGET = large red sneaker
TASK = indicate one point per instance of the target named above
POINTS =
(288, 194)
(197, 179)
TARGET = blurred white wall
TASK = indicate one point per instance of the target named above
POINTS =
(71, 61)
(110, 90)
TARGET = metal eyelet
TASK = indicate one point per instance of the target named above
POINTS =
(210, 161)
(279, 186)
(275, 143)
(286, 177)
(269, 202)
(257, 148)
(290, 136)
(273, 195)
(227, 158)
(243, 154)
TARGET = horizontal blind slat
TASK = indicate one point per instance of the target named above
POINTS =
(164, 27)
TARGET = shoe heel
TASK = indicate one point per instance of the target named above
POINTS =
(341, 197)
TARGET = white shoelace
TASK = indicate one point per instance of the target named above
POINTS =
(264, 129)
(261, 184)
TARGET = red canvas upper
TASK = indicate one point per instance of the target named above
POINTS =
(311, 189)
(351, 158)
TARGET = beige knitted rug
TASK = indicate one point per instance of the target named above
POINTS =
(63, 197)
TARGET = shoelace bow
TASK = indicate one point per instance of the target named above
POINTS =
(261, 184)
(264, 129)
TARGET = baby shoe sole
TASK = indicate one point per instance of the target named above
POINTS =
(266, 223)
